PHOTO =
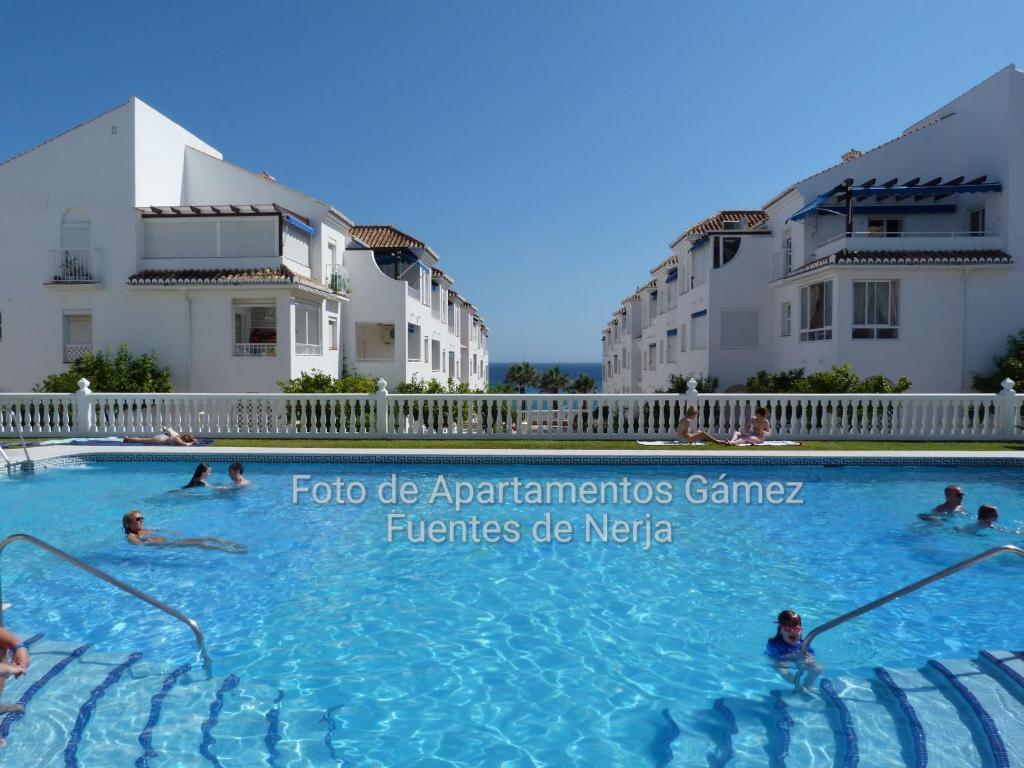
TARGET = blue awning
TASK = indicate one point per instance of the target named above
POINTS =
(698, 243)
(894, 208)
(897, 191)
(699, 314)
(672, 332)
(299, 225)
(673, 275)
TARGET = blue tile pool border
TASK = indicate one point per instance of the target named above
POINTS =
(515, 457)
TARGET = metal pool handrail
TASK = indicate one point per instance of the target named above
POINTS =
(908, 589)
(92, 570)
(21, 433)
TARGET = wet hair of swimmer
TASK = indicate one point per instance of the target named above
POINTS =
(988, 512)
(197, 476)
(127, 518)
(236, 467)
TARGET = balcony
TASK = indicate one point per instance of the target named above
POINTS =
(254, 350)
(909, 241)
(74, 352)
(308, 349)
(414, 292)
(339, 281)
(74, 266)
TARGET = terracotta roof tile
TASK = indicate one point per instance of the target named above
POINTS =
(716, 222)
(385, 236)
(905, 258)
(266, 276)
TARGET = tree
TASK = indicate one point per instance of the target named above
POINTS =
(107, 372)
(1009, 365)
(521, 376)
(583, 385)
(315, 382)
(553, 380)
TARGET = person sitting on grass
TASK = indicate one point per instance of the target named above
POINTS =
(757, 430)
(687, 435)
(787, 647)
(166, 436)
(132, 521)
(951, 507)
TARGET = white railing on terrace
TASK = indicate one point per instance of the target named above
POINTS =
(254, 350)
(73, 352)
(895, 241)
(308, 349)
(74, 265)
(338, 280)
(562, 416)
(414, 292)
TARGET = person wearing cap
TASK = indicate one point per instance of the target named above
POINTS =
(787, 647)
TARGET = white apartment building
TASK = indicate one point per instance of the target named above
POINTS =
(899, 260)
(129, 229)
(404, 320)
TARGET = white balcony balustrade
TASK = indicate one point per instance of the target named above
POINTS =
(308, 349)
(74, 265)
(909, 241)
(254, 350)
(338, 280)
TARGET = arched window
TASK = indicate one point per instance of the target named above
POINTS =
(75, 229)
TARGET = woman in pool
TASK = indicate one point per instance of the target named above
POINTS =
(687, 435)
(136, 534)
(787, 647)
(200, 476)
(757, 430)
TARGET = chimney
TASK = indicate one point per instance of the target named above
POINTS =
(853, 154)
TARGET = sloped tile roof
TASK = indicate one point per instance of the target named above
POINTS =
(385, 236)
(716, 222)
(906, 258)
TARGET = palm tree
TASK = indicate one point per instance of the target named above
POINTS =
(522, 375)
(583, 385)
(553, 380)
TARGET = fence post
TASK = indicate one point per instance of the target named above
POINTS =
(382, 407)
(1008, 409)
(84, 416)
(691, 398)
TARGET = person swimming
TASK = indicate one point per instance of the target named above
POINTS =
(787, 647)
(135, 533)
(200, 476)
(987, 518)
(951, 507)
(237, 474)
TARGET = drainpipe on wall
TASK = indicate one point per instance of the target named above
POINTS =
(963, 326)
(188, 340)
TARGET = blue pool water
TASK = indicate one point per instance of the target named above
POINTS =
(528, 653)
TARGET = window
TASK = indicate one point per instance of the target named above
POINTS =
(332, 333)
(787, 255)
(255, 330)
(661, 353)
(787, 318)
(682, 337)
(652, 357)
(725, 249)
(653, 306)
(876, 309)
(435, 355)
(77, 335)
(885, 227)
(699, 331)
(816, 311)
(670, 345)
(976, 222)
(307, 330)
(75, 229)
(615, 360)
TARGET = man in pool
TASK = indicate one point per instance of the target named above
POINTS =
(987, 518)
(15, 661)
(787, 647)
(951, 507)
(132, 521)
(237, 474)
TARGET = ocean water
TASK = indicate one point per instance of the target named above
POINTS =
(514, 653)
(572, 370)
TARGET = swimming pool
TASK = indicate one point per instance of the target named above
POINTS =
(505, 653)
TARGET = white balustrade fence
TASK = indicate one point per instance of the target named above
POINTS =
(512, 416)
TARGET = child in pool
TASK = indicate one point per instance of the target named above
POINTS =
(787, 647)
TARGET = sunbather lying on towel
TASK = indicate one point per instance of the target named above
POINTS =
(166, 436)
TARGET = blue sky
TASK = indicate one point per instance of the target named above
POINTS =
(548, 151)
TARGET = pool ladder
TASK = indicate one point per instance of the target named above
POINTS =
(1004, 549)
(27, 464)
(93, 571)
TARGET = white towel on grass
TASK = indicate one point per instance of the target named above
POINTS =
(700, 442)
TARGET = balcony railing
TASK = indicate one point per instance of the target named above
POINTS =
(338, 280)
(254, 350)
(73, 352)
(905, 241)
(414, 292)
(74, 265)
(308, 349)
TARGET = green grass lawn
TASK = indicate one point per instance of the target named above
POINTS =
(615, 445)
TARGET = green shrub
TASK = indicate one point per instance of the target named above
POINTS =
(1009, 365)
(107, 372)
(705, 384)
(839, 379)
(316, 382)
